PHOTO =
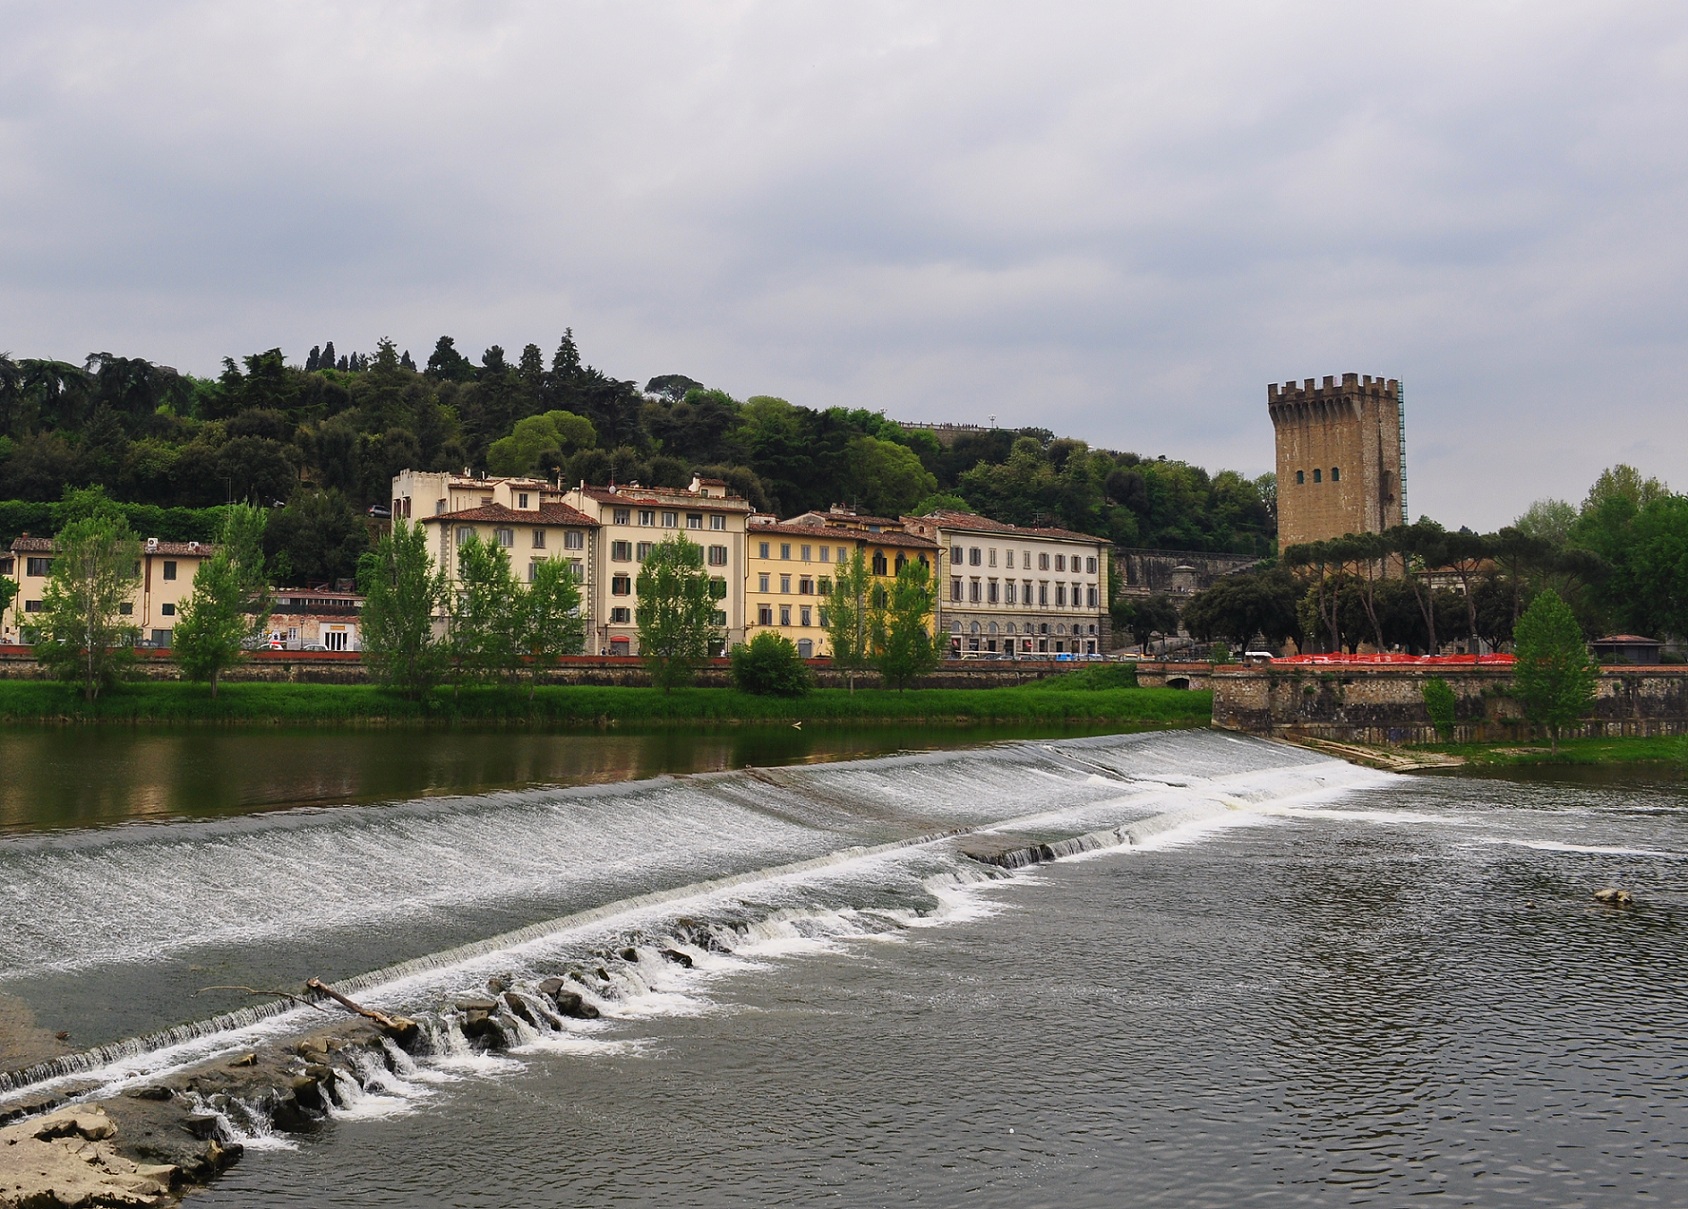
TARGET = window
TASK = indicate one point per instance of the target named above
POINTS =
(824, 586)
(826, 554)
(717, 556)
(761, 549)
(574, 539)
(1318, 475)
(879, 567)
(1009, 557)
(717, 588)
(762, 582)
(505, 537)
(642, 551)
(621, 516)
(1336, 474)
(822, 620)
(785, 585)
(902, 561)
(785, 551)
(803, 553)
(169, 569)
(973, 591)
(621, 552)
(1060, 595)
(578, 570)
(1301, 476)
(38, 567)
(1043, 591)
(621, 615)
(34, 606)
(842, 556)
(992, 595)
(127, 608)
(805, 585)
(334, 640)
(955, 589)
(670, 520)
(647, 517)
(805, 615)
(719, 618)
(1008, 592)
(765, 614)
(975, 556)
(464, 533)
(539, 539)
(694, 520)
(621, 585)
(1060, 562)
(992, 557)
(785, 614)
(168, 609)
(521, 500)
(1090, 596)
(1043, 562)
(533, 568)
(717, 522)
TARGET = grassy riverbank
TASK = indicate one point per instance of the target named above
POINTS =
(1079, 699)
(1664, 749)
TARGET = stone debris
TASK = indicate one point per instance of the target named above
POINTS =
(67, 1159)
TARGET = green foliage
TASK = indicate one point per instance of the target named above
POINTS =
(1439, 703)
(317, 538)
(769, 666)
(1555, 677)
(676, 612)
(230, 602)
(402, 593)
(849, 626)
(81, 635)
(1144, 616)
(1218, 652)
(904, 649)
(551, 623)
(1238, 607)
(486, 637)
(540, 443)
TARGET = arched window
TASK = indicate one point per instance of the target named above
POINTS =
(900, 562)
(879, 562)
(1318, 476)
(991, 629)
(1336, 474)
(975, 628)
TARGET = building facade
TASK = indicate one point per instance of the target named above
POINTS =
(164, 579)
(1341, 457)
(790, 567)
(1009, 589)
(631, 519)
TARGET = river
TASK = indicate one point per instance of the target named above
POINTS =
(1295, 983)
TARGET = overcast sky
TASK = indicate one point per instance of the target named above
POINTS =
(1116, 220)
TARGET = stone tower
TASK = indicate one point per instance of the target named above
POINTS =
(1341, 457)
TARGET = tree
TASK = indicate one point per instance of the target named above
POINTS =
(770, 666)
(82, 634)
(317, 538)
(1440, 704)
(849, 629)
(539, 443)
(402, 593)
(1145, 616)
(904, 646)
(485, 641)
(551, 623)
(8, 593)
(230, 603)
(676, 613)
(1555, 677)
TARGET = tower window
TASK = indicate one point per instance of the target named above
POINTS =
(1301, 476)
(1336, 474)
(1318, 476)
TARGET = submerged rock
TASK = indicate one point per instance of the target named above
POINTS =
(678, 958)
(574, 1005)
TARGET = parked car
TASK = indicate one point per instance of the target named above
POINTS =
(381, 512)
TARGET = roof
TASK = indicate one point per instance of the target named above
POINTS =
(1629, 640)
(545, 514)
(840, 517)
(967, 522)
(888, 537)
(46, 545)
(672, 496)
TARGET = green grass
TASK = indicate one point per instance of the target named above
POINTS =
(1663, 749)
(173, 702)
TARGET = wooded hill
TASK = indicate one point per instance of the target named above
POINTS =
(320, 442)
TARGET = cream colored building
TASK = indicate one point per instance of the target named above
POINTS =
(631, 519)
(164, 579)
(1009, 589)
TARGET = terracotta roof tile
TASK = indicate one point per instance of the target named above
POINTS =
(546, 514)
(969, 523)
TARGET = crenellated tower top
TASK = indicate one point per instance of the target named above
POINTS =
(1352, 386)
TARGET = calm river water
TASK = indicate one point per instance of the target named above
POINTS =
(1301, 984)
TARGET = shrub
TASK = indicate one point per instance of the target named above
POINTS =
(1439, 704)
(769, 666)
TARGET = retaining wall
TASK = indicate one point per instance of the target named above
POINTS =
(1386, 704)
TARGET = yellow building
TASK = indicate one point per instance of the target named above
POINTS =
(790, 565)
(164, 579)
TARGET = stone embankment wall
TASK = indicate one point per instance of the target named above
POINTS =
(337, 667)
(1386, 704)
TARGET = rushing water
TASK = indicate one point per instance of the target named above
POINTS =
(1298, 983)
